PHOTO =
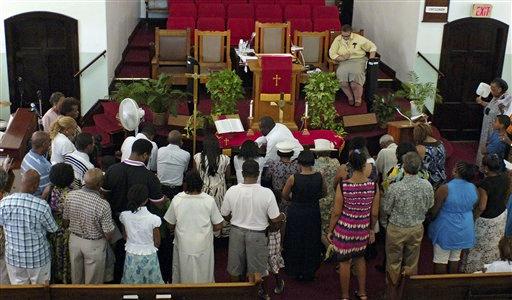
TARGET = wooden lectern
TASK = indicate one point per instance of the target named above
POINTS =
(15, 140)
(271, 108)
(401, 131)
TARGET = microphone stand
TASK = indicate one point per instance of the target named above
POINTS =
(20, 90)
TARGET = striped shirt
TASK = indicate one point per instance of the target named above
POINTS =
(26, 220)
(37, 162)
(89, 215)
(80, 163)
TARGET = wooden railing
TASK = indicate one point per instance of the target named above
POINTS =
(439, 73)
(89, 64)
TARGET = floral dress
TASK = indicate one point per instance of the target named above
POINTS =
(279, 172)
(59, 241)
(327, 167)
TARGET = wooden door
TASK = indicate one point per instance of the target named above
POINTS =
(473, 51)
(42, 54)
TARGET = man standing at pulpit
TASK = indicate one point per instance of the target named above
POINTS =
(273, 133)
(349, 51)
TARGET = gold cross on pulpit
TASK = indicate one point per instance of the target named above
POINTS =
(277, 78)
(196, 76)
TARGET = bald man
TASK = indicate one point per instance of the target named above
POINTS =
(26, 220)
(36, 160)
(90, 225)
(172, 163)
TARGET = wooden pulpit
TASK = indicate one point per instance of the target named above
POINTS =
(15, 140)
(401, 131)
(269, 106)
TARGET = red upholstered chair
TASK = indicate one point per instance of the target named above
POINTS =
(172, 2)
(262, 1)
(240, 11)
(313, 3)
(183, 10)
(228, 2)
(208, 1)
(327, 24)
(241, 28)
(268, 13)
(293, 11)
(301, 25)
(182, 23)
(210, 24)
(326, 12)
(211, 10)
(285, 3)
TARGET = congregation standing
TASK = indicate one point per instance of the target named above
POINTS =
(153, 217)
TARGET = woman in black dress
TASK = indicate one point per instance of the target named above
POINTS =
(302, 244)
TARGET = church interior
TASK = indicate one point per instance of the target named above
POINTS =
(332, 78)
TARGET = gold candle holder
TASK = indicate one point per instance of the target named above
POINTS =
(250, 132)
(305, 130)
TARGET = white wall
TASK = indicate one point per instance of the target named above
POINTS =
(393, 26)
(121, 19)
(92, 40)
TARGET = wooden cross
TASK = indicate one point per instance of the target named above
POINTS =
(277, 78)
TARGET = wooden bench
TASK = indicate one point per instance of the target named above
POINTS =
(458, 286)
(212, 291)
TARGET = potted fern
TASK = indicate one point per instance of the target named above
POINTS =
(320, 92)
(157, 94)
(225, 88)
(384, 108)
(418, 93)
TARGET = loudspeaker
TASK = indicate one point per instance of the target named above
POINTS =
(356, 123)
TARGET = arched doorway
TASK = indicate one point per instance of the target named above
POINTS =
(473, 51)
(42, 55)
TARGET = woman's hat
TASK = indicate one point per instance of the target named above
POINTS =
(323, 145)
(285, 146)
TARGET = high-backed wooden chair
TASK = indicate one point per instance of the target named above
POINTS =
(332, 36)
(272, 37)
(211, 50)
(316, 50)
(171, 50)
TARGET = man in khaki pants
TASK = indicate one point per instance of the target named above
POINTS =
(406, 203)
(90, 225)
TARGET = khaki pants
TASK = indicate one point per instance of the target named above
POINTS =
(39, 275)
(87, 260)
(402, 250)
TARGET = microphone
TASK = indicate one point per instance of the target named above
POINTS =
(20, 79)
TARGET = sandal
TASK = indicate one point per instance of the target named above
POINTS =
(360, 296)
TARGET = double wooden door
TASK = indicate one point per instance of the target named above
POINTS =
(473, 51)
(42, 55)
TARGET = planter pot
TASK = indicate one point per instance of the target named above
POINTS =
(415, 110)
(160, 119)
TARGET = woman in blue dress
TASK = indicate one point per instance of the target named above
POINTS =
(453, 228)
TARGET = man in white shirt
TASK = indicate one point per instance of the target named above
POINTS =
(148, 132)
(249, 206)
(386, 159)
(172, 162)
(274, 133)
(79, 159)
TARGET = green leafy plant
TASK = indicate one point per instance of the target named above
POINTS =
(418, 92)
(225, 88)
(201, 121)
(158, 94)
(320, 92)
(384, 108)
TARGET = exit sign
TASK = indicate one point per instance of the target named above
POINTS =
(481, 10)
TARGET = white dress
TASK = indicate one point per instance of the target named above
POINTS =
(61, 145)
(238, 163)
(193, 259)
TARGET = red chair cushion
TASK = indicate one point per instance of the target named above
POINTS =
(211, 10)
(326, 12)
(244, 10)
(268, 13)
(241, 28)
(327, 24)
(212, 24)
(301, 25)
(297, 12)
(183, 10)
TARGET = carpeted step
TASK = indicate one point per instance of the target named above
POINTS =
(137, 56)
(105, 137)
(142, 39)
(106, 123)
(110, 108)
(128, 71)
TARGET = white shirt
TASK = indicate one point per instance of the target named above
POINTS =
(61, 145)
(139, 231)
(49, 117)
(172, 162)
(498, 266)
(194, 216)
(278, 134)
(238, 163)
(80, 163)
(126, 150)
(250, 206)
(386, 160)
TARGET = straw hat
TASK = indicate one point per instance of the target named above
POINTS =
(323, 145)
(285, 146)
